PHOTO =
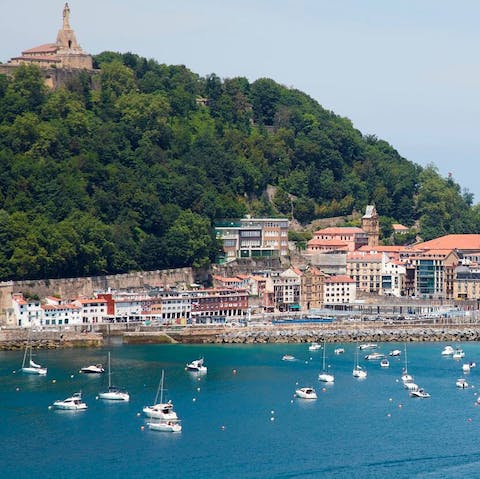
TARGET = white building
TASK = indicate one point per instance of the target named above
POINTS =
(27, 313)
(61, 315)
(339, 290)
(92, 310)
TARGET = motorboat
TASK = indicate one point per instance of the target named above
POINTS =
(197, 366)
(472, 365)
(31, 367)
(368, 346)
(466, 368)
(339, 350)
(458, 354)
(374, 356)
(461, 383)
(314, 347)
(72, 403)
(113, 393)
(93, 369)
(324, 375)
(410, 386)
(161, 410)
(395, 352)
(419, 393)
(447, 351)
(165, 426)
(384, 363)
(288, 357)
(306, 393)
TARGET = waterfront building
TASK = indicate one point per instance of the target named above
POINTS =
(434, 273)
(466, 283)
(366, 270)
(393, 277)
(286, 289)
(312, 282)
(218, 302)
(27, 312)
(92, 310)
(339, 290)
(253, 238)
(61, 315)
(64, 53)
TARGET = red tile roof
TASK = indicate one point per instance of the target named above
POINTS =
(46, 48)
(364, 256)
(340, 279)
(339, 230)
(462, 242)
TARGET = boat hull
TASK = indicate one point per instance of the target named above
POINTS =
(160, 413)
(114, 396)
(164, 427)
(37, 371)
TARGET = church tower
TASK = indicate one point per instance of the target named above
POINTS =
(371, 225)
(64, 53)
(66, 36)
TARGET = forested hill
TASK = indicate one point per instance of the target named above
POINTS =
(132, 175)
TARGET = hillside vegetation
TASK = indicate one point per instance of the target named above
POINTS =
(132, 175)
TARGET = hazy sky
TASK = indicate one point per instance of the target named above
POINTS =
(407, 71)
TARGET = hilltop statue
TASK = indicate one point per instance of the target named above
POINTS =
(66, 17)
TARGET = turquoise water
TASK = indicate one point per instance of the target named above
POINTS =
(356, 429)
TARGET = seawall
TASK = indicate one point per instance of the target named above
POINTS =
(14, 339)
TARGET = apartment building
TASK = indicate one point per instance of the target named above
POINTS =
(339, 290)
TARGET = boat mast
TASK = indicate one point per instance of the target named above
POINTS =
(324, 355)
(406, 367)
(160, 387)
(109, 373)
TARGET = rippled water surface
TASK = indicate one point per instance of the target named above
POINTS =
(245, 424)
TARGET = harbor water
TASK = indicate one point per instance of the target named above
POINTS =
(241, 419)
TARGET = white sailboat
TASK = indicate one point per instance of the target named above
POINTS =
(32, 367)
(113, 393)
(358, 371)
(325, 376)
(406, 378)
(161, 410)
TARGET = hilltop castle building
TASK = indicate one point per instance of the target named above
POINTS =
(64, 53)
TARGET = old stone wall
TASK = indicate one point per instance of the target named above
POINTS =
(56, 77)
(68, 288)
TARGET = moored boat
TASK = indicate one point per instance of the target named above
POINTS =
(324, 375)
(72, 403)
(93, 369)
(419, 393)
(32, 367)
(165, 426)
(384, 363)
(113, 393)
(368, 346)
(339, 350)
(374, 356)
(161, 410)
(395, 352)
(288, 357)
(306, 393)
(197, 366)
(314, 347)
(461, 383)
(447, 351)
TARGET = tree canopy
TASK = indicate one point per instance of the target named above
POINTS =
(131, 174)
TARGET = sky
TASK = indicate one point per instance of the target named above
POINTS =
(407, 71)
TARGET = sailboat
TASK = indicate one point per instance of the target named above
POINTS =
(33, 367)
(161, 410)
(358, 371)
(406, 378)
(113, 393)
(325, 376)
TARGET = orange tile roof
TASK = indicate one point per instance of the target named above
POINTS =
(332, 230)
(86, 301)
(46, 48)
(340, 279)
(399, 227)
(462, 242)
(384, 249)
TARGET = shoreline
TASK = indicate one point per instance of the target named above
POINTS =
(16, 339)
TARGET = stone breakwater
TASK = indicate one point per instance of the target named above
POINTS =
(332, 335)
(16, 339)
